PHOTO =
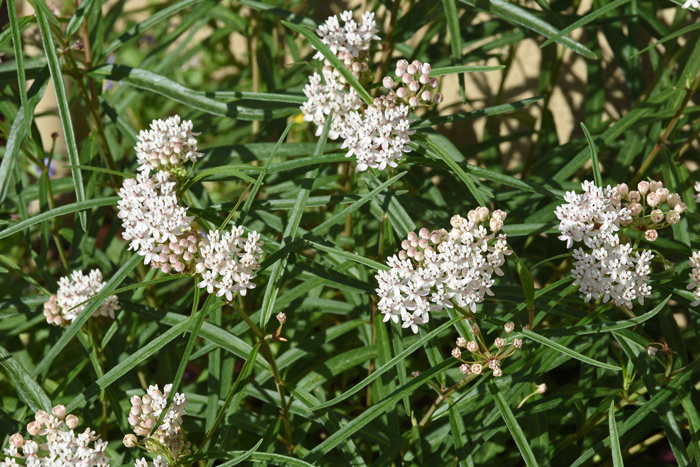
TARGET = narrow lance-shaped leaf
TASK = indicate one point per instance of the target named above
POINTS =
(19, 58)
(594, 157)
(27, 388)
(63, 105)
(614, 438)
(515, 431)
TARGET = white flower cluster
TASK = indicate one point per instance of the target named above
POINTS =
(435, 268)
(157, 462)
(379, 137)
(350, 43)
(168, 144)
(218, 264)
(695, 277)
(64, 307)
(159, 229)
(333, 95)
(415, 84)
(485, 357)
(60, 445)
(613, 269)
(169, 440)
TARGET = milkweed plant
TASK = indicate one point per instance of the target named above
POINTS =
(317, 234)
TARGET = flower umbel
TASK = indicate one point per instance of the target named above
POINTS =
(64, 307)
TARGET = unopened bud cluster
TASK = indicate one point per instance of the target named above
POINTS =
(64, 307)
(484, 358)
(664, 208)
(159, 229)
(433, 269)
(414, 87)
(55, 443)
(168, 440)
(695, 277)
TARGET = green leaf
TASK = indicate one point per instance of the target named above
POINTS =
(99, 169)
(528, 287)
(264, 457)
(454, 166)
(19, 58)
(144, 79)
(455, 40)
(584, 21)
(556, 346)
(28, 389)
(460, 438)
(667, 38)
(515, 431)
(86, 314)
(594, 157)
(614, 438)
(474, 114)
(243, 457)
(67, 209)
(515, 14)
(59, 87)
(332, 59)
(448, 70)
(147, 24)
(388, 366)
(78, 17)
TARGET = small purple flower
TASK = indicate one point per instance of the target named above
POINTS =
(52, 168)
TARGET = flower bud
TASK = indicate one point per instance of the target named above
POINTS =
(130, 440)
(434, 82)
(141, 431)
(412, 69)
(498, 214)
(416, 374)
(651, 235)
(424, 79)
(517, 343)
(413, 101)
(456, 353)
(476, 369)
(41, 416)
(680, 208)
(495, 224)
(411, 252)
(414, 86)
(623, 190)
(656, 215)
(133, 420)
(419, 256)
(498, 372)
(473, 216)
(509, 327)
(165, 267)
(464, 369)
(652, 351)
(635, 209)
(146, 399)
(541, 388)
(653, 199)
(663, 193)
(673, 218)
(72, 422)
(17, 440)
(281, 317)
(475, 329)
(402, 63)
(179, 266)
(405, 79)
(461, 342)
(672, 200)
(401, 93)
(426, 96)
(33, 428)
(655, 186)
(472, 346)
(643, 187)
(483, 213)
(634, 196)
(499, 343)
(402, 255)
(400, 71)
(437, 98)
(59, 411)
(388, 82)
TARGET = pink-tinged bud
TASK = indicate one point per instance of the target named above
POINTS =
(655, 186)
(187, 256)
(17, 440)
(423, 243)
(434, 82)
(281, 317)
(461, 342)
(141, 431)
(41, 416)
(497, 372)
(388, 82)
(58, 320)
(414, 86)
(673, 218)
(475, 329)
(416, 374)
(424, 79)
(133, 421)
(456, 353)
(651, 235)
(173, 159)
(634, 196)
(412, 69)
(406, 244)
(653, 199)
(402, 255)
(663, 194)
(426, 69)
(437, 98)
(401, 93)
(135, 410)
(356, 74)
(680, 208)
(402, 63)
(400, 71)
(495, 224)
(643, 187)
(413, 101)
(417, 64)
(179, 266)
(499, 343)
(652, 351)
(476, 369)
(135, 400)
(472, 346)
(419, 256)
(163, 159)
(464, 369)
(200, 268)
(483, 213)
(59, 412)
(411, 252)
(435, 238)
(33, 428)
(509, 327)
(130, 440)
(635, 209)
(424, 233)
(672, 200)
(656, 216)
(363, 67)
(626, 222)
(623, 190)
(356, 67)
(412, 236)
(165, 267)
(426, 96)
(406, 78)
(72, 422)
(149, 424)
(518, 343)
